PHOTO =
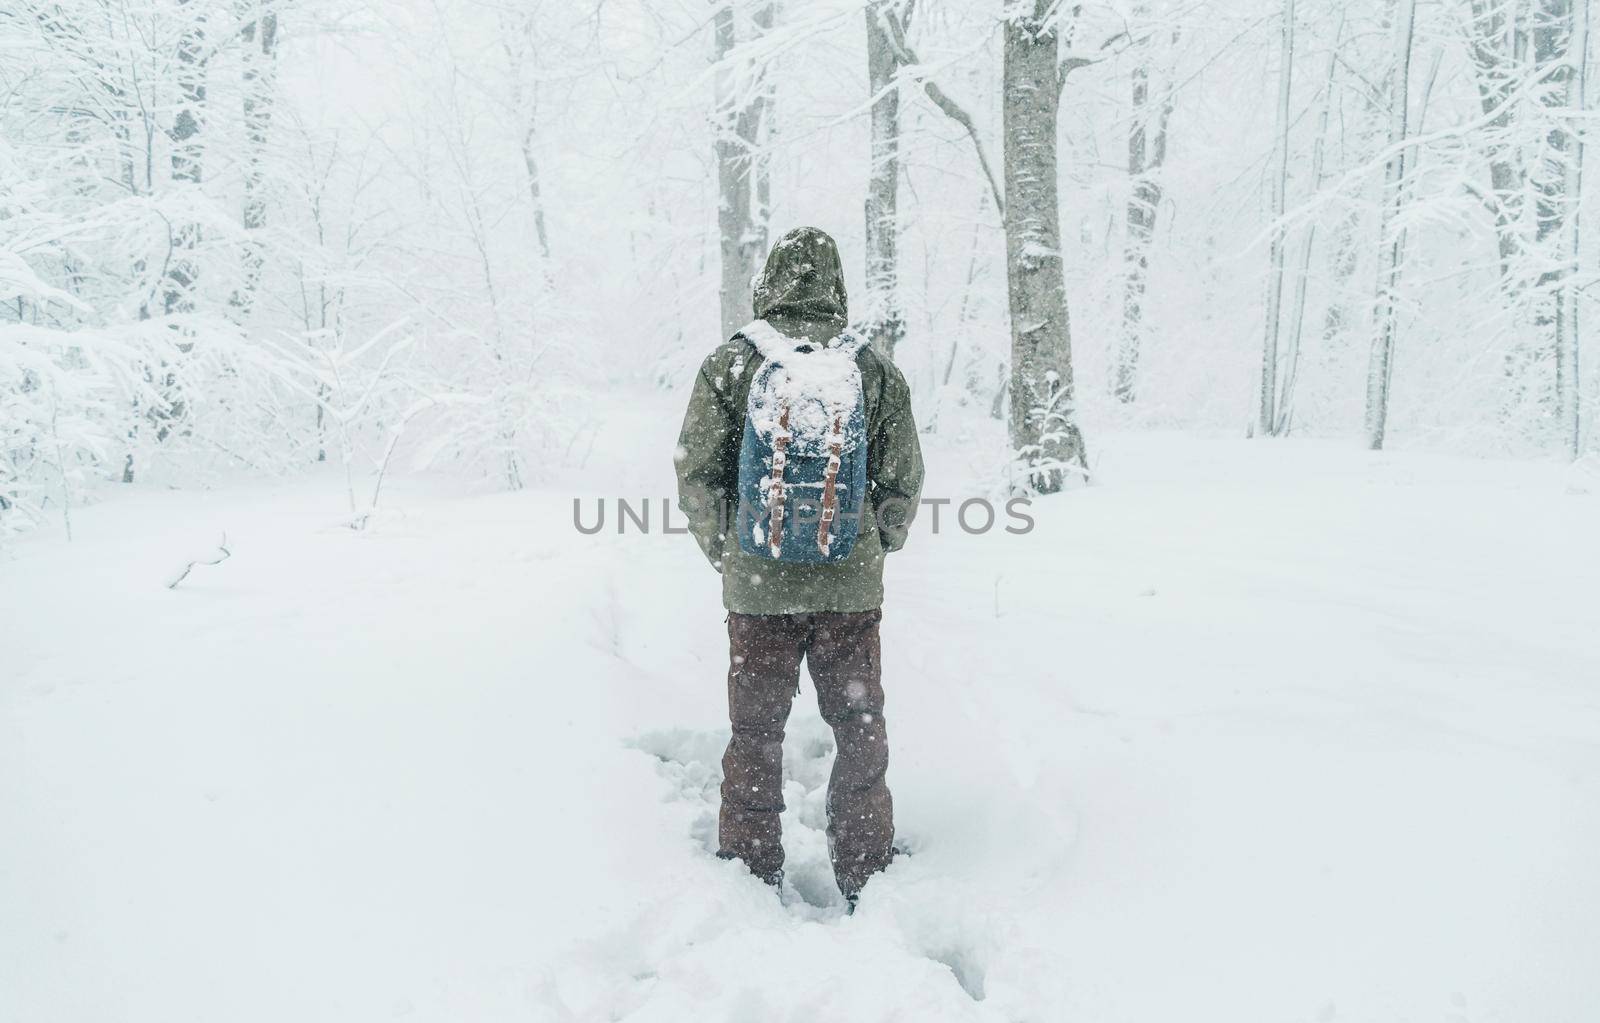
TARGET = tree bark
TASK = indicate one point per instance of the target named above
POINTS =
(187, 154)
(1494, 47)
(1381, 367)
(519, 35)
(183, 271)
(1147, 153)
(1553, 39)
(530, 164)
(765, 132)
(884, 319)
(1297, 314)
(1267, 422)
(1043, 424)
(1569, 350)
(742, 184)
(260, 37)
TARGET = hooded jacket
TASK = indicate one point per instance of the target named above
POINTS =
(801, 293)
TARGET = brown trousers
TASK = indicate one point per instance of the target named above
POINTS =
(765, 653)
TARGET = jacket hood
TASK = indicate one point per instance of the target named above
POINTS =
(803, 278)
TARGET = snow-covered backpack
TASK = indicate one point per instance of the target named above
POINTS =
(803, 461)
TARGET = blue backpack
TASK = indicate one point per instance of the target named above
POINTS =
(803, 461)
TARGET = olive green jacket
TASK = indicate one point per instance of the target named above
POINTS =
(801, 293)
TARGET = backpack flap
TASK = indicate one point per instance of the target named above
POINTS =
(803, 459)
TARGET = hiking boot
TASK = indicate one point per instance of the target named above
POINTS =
(774, 878)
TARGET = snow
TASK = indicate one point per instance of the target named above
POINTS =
(1248, 731)
(816, 387)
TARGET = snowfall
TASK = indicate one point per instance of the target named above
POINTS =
(1245, 732)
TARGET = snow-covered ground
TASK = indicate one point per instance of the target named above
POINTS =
(1268, 732)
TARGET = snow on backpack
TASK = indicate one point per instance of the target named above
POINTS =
(803, 461)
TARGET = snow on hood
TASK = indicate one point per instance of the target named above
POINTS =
(803, 277)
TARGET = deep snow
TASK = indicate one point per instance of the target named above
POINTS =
(1247, 732)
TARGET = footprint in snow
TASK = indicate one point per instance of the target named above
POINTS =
(691, 761)
(922, 910)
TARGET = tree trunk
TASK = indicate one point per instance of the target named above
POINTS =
(183, 271)
(741, 172)
(1494, 49)
(1044, 431)
(187, 152)
(530, 165)
(1553, 37)
(764, 129)
(1297, 314)
(884, 319)
(1381, 368)
(1147, 152)
(519, 41)
(1569, 379)
(260, 37)
(1267, 422)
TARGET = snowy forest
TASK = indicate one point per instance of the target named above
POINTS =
(339, 685)
(257, 235)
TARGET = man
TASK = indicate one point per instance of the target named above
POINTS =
(781, 613)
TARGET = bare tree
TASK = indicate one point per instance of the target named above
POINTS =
(1391, 238)
(1267, 421)
(1526, 57)
(1559, 69)
(1147, 155)
(187, 152)
(1044, 431)
(520, 43)
(260, 39)
(1497, 41)
(743, 99)
(1297, 312)
(890, 54)
(884, 319)
(183, 267)
(1569, 361)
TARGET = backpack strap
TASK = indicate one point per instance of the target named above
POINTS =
(780, 458)
(830, 493)
(767, 340)
(848, 342)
